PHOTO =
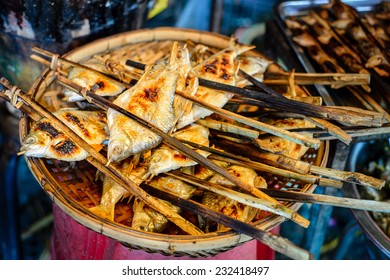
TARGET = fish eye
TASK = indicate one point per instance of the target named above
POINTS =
(30, 140)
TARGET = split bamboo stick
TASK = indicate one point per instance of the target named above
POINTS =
(303, 167)
(333, 79)
(292, 195)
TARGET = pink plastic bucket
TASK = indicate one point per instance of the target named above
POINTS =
(73, 241)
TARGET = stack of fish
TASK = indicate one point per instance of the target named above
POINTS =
(140, 153)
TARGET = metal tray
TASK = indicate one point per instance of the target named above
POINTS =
(300, 8)
(360, 155)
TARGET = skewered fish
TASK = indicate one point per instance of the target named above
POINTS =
(229, 206)
(348, 22)
(205, 173)
(146, 218)
(114, 192)
(46, 141)
(220, 67)
(165, 158)
(282, 146)
(304, 39)
(150, 99)
(332, 42)
(87, 79)
(254, 66)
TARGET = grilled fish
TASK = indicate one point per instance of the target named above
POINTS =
(229, 206)
(205, 173)
(165, 158)
(87, 78)
(46, 141)
(254, 66)
(147, 219)
(150, 99)
(114, 192)
(282, 146)
(243, 173)
(220, 67)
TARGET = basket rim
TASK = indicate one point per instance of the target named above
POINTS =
(115, 230)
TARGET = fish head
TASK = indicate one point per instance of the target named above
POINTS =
(118, 149)
(35, 144)
(46, 141)
(160, 161)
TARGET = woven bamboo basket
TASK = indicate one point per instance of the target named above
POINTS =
(75, 190)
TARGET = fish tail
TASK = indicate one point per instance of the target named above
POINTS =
(239, 48)
(104, 211)
(179, 55)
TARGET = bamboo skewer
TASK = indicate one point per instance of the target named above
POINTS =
(306, 178)
(297, 165)
(221, 190)
(228, 127)
(73, 64)
(333, 79)
(237, 160)
(359, 132)
(333, 129)
(279, 102)
(353, 203)
(297, 138)
(275, 242)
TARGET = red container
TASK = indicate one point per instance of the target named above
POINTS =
(73, 241)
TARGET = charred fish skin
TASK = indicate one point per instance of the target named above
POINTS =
(151, 100)
(46, 141)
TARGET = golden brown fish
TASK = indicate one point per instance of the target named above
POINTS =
(247, 175)
(165, 158)
(150, 99)
(252, 65)
(87, 79)
(204, 173)
(146, 218)
(114, 192)
(222, 68)
(282, 146)
(46, 141)
(229, 206)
